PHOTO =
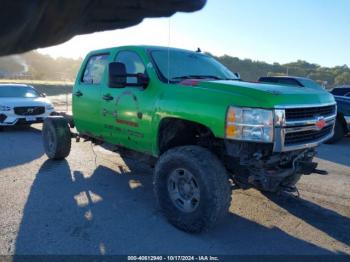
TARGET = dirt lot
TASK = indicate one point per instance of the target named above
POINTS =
(97, 203)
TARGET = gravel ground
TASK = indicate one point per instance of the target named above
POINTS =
(97, 203)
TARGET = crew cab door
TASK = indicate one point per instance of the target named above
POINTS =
(126, 112)
(87, 93)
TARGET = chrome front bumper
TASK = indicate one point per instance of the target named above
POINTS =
(283, 127)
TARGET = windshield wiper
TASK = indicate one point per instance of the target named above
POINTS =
(197, 76)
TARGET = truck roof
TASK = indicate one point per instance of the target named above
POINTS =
(143, 47)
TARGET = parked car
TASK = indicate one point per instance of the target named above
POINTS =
(22, 105)
(290, 80)
(201, 126)
(341, 91)
(342, 125)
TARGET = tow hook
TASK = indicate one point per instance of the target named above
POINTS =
(320, 172)
(309, 168)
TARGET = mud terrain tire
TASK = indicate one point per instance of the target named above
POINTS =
(208, 176)
(56, 137)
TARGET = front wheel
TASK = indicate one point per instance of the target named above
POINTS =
(56, 137)
(192, 188)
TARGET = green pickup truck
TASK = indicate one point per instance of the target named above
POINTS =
(206, 130)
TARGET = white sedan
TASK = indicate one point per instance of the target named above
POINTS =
(22, 104)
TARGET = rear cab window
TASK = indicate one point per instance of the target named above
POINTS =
(94, 69)
(280, 81)
(267, 80)
(288, 81)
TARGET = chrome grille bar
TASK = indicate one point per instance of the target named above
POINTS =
(302, 133)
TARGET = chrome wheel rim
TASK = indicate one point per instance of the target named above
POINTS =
(183, 190)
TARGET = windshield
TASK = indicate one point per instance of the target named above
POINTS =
(18, 91)
(176, 65)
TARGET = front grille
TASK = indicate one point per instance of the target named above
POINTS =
(29, 110)
(293, 114)
(307, 136)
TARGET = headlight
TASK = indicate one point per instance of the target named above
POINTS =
(250, 124)
(4, 108)
(50, 107)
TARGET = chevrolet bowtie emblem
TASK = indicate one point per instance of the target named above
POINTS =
(320, 122)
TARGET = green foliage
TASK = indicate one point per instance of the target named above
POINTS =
(9, 64)
(343, 78)
(39, 67)
(252, 70)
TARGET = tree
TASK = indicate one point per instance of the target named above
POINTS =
(342, 79)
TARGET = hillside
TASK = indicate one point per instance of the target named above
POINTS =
(34, 65)
(252, 70)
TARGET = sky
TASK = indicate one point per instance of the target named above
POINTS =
(317, 31)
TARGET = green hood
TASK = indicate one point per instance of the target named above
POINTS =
(268, 96)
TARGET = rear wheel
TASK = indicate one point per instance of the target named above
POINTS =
(192, 188)
(339, 132)
(56, 137)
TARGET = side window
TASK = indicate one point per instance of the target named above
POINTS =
(94, 69)
(133, 64)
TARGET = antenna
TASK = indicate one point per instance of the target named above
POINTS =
(169, 31)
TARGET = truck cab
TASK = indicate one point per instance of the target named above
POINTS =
(205, 128)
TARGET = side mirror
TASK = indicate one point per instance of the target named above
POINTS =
(237, 75)
(142, 80)
(116, 75)
(118, 78)
(43, 95)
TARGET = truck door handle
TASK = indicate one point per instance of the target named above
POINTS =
(78, 93)
(107, 97)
